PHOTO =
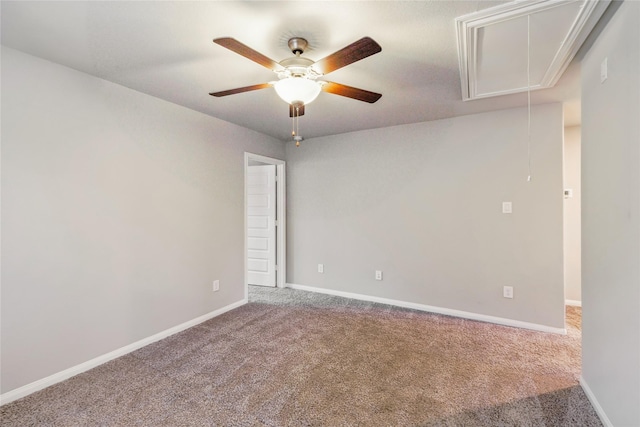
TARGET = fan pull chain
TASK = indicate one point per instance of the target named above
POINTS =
(293, 125)
(294, 111)
(297, 125)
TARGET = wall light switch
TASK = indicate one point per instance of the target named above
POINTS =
(320, 268)
(216, 285)
(507, 207)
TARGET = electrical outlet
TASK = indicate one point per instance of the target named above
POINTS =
(320, 268)
(216, 285)
(378, 275)
(507, 291)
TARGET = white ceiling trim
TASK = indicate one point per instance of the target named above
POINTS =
(470, 45)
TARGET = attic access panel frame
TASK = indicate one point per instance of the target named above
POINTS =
(472, 27)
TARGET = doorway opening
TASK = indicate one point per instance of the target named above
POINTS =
(572, 212)
(264, 222)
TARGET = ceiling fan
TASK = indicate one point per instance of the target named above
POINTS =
(298, 82)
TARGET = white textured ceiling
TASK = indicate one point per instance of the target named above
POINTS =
(165, 49)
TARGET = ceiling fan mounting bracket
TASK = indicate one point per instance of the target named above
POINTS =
(297, 45)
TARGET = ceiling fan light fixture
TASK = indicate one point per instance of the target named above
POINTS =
(294, 90)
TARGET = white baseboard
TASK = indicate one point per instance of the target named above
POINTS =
(433, 309)
(594, 402)
(25, 390)
(573, 302)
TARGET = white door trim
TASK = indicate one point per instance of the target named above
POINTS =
(281, 232)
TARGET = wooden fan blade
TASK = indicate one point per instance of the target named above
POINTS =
(347, 55)
(292, 111)
(240, 90)
(351, 92)
(244, 50)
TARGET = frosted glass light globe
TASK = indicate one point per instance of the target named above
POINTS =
(297, 89)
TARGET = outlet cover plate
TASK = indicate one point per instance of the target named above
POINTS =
(507, 292)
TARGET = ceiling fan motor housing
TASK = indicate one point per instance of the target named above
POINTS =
(297, 67)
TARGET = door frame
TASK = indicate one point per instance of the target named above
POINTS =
(281, 231)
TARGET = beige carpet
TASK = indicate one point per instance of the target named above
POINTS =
(293, 358)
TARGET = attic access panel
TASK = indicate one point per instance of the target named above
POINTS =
(520, 45)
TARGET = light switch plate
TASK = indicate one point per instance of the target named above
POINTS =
(507, 207)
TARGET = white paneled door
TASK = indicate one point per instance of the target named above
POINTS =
(261, 225)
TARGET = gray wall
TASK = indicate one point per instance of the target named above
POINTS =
(118, 211)
(423, 202)
(572, 216)
(611, 218)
